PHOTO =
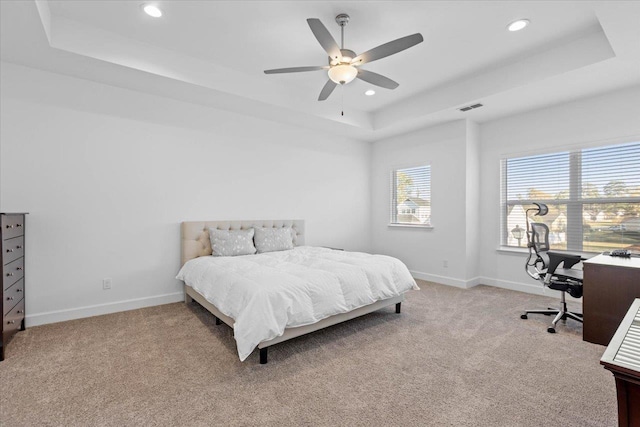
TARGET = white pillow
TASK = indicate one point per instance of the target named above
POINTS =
(273, 239)
(232, 242)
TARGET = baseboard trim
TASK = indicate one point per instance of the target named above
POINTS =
(100, 309)
(133, 304)
(529, 288)
(445, 280)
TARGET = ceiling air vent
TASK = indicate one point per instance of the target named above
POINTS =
(470, 107)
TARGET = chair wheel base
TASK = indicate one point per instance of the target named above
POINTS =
(551, 330)
(524, 316)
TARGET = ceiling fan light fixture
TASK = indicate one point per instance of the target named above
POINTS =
(343, 73)
(518, 25)
(152, 10)
(370, 92)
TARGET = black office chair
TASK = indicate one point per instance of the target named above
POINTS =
(544, 265)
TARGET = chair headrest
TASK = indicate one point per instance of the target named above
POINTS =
(542, 209)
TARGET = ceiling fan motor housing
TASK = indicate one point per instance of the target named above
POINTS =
(346, 53)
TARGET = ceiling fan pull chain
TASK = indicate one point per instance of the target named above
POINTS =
(342, 101)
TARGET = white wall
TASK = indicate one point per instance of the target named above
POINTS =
(108, 174)
(472, 199)
(465, 159)
(424, 251)
(610, 118)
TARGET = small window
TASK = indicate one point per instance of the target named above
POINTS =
(411, 196)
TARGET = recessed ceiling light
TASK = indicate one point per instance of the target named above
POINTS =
(152, 10)
(370, 92)
(518, 25)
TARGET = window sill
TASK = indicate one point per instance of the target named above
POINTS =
(512, 250)
(416, 226)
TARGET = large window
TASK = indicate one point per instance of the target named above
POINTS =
(593, 197)
(411, 196)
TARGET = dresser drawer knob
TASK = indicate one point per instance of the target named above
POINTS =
(19, 247)
(9, 250)
(19, 268)
(18, 225)
(9, 274)
(9, 298)
(11, 322)
(18, 290)
(9, 226)
(20, 311)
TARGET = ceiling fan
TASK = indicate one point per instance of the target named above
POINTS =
(344, 64)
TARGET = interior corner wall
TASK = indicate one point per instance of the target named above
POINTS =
(425, 251)
(108, 174)
(472, 202)
(610, 118)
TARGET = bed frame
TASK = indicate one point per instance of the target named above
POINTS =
(196, 243)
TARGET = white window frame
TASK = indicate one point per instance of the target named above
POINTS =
(394, 201)
(574, 202)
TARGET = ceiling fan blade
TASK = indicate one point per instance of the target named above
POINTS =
(387, 49)
(376, 79)
(296, 69)
(324, 38)
(327, 89)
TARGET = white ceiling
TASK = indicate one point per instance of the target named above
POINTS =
(214, 52)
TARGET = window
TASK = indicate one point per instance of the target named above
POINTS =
(593, 197)
(411, 196)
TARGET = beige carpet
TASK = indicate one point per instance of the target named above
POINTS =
(453, 357)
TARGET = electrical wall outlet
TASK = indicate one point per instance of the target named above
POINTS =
(445, 263)
(106, 283)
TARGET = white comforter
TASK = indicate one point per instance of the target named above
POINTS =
(269, 292)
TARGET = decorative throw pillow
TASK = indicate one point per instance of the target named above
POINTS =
(273, 239)
(232, 242)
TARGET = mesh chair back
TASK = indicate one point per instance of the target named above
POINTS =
(540, 237)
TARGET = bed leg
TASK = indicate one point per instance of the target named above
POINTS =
(398, 305)
(263, 355)
(218, 321)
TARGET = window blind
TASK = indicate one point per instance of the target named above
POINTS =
(593, 196)
(411, 196)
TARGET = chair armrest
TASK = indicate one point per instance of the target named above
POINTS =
(556, 258)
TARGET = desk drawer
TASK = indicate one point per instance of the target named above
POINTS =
(12, 296)
(12, 272)
(12, 321)
(12, 249)
(12, 226)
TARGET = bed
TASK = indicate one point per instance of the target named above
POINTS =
(272, 297)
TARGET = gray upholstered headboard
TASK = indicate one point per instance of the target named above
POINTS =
(195, 234)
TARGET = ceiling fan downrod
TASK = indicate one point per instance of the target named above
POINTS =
(342, 20)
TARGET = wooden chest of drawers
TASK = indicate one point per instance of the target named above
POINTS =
(13, 279)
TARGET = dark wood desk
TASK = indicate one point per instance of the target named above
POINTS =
(622, 358)
(611, 284)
